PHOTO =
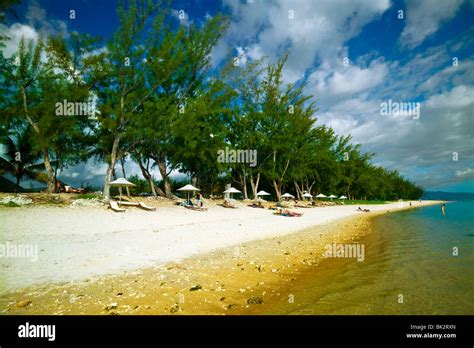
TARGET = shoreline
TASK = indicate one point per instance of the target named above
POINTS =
(256, 267)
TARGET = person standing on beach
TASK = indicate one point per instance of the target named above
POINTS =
(199, 199)
(443, 209)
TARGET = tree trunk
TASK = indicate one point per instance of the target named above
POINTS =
(299, 192)
(49, 171)
(34, 125)
(277, 188)
(122, 162)
(254, 184)
(110, 168)
(155, 190)
(243, 184)
(163, 168)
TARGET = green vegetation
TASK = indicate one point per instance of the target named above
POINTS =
(10, 205)
(88, 196)
(160, 104)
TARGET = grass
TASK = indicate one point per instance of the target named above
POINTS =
(10, 205)
(88, 196)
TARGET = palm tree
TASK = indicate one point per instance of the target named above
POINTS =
(19, 158)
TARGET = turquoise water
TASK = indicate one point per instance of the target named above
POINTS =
(409, 268)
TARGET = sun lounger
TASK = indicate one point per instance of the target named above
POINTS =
(114, 206)
(132, 204)
(193, 207)
(303, 206)
(145, 207)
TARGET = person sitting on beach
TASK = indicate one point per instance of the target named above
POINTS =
(256, 205)
(228, 204)
(199, 200)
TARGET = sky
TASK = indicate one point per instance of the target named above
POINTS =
(354, 56)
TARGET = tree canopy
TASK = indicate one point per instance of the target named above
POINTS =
(157, 101)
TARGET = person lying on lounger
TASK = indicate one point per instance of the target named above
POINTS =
(228, 204)
(364, 210)
(286, 212)
(256, 205)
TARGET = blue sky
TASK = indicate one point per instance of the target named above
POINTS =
(407, 59)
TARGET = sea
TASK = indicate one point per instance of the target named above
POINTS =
(417, 262)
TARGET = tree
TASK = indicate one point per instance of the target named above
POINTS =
(20, 160)
(179, 95)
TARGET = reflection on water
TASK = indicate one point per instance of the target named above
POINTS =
(408, 258)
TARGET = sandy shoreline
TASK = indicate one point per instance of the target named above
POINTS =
(80, 243)
(251, 278)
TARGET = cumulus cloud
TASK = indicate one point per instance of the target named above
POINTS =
(38, 25)
(309, 30)
(355, 79)
(15, 32)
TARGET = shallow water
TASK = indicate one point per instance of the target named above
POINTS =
(409, 268)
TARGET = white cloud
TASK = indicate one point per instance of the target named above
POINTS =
(355, 79)
(38, 25)
(425, 17)
(459, 97)
(317, 31)
(15, 32)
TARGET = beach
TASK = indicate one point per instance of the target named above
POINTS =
(174, 260)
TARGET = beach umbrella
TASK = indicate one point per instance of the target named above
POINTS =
(263, 193)
(307, 195)
(343, 197)
(188, 188)
(321, 196)
(121, 182)
(332, 196)
(231, 190)
(287, 195)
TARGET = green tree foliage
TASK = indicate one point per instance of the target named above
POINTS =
(162, 105)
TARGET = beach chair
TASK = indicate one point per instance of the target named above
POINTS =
(145, 207)
(114, 206)
(193, 207)
(125, 203)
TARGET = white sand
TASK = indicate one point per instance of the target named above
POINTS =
(76, 244)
